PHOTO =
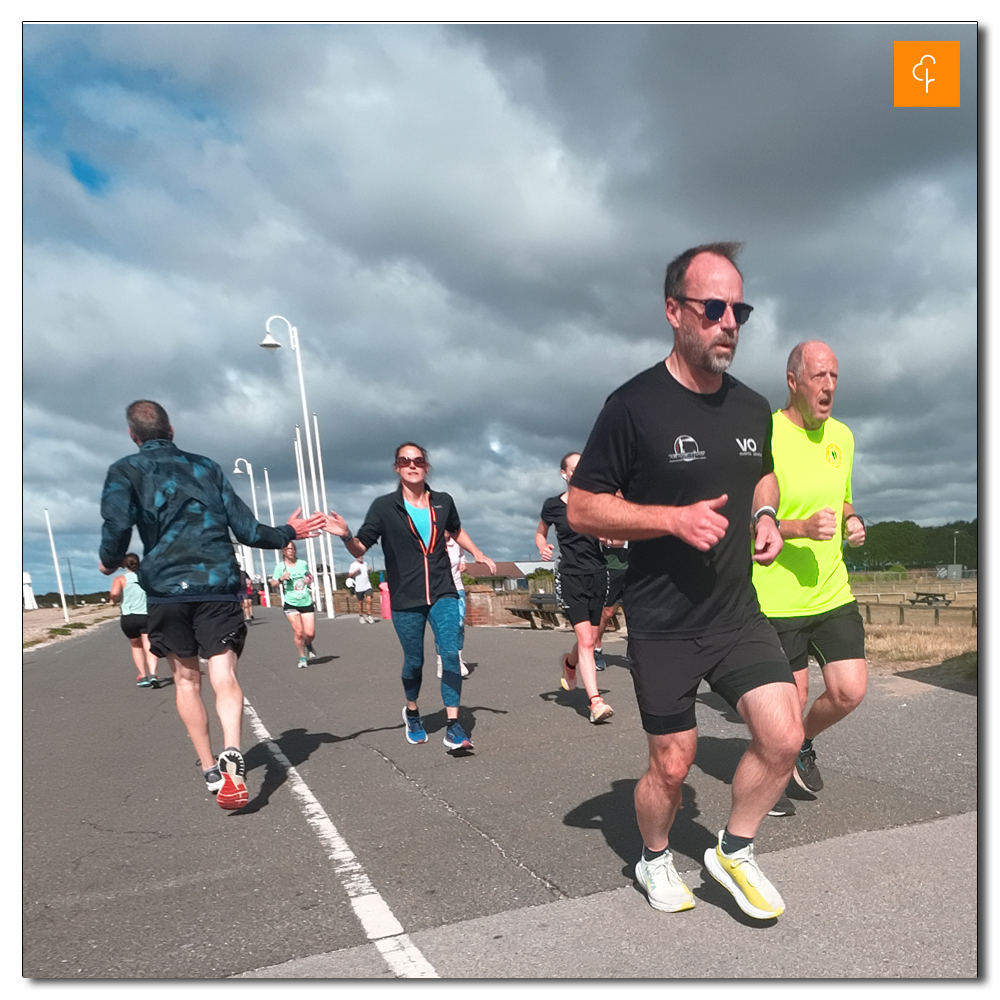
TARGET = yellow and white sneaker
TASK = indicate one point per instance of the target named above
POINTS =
(741, 875)
(664, 888)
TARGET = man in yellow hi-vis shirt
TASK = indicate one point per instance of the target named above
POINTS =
(805, 592)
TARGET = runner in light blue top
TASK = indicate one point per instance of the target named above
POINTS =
(125, 590)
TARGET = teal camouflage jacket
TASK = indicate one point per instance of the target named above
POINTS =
(184, 508)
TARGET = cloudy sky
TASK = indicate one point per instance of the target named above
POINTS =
(469, 227)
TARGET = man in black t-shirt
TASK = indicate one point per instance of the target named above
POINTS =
(688, 447)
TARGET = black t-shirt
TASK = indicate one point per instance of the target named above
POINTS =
(578, 553)
(660, 443)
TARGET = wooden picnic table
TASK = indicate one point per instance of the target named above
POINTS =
(930, 599)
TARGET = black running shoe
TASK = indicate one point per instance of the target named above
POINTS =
(806, 772)
(213, 779)
(783, 807)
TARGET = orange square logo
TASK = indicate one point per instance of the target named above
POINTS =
(925, 74)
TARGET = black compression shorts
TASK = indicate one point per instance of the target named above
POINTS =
(666, 672)
(831, 636)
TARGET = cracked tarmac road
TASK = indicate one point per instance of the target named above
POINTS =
(514, 861)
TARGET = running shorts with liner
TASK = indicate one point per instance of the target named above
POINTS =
(308, 609)
(196, 628)
(666, 672)
(134, 625)
(831, 636)
(582, 595)
(616, 587)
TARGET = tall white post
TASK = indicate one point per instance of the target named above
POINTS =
(55, 562)
(326, 539)
(303, 498)
(270, 514)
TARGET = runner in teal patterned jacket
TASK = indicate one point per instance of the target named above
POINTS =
(184, 507)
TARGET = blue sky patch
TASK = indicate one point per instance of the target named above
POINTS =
(87, 174)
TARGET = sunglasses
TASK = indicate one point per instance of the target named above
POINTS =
(419, 462)
(715, 309)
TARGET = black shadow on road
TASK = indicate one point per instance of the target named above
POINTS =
(297, 745)
(613, 813)
(575, 699)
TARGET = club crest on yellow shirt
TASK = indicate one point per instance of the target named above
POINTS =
(834, 455)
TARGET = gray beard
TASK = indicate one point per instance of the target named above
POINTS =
(702, 357)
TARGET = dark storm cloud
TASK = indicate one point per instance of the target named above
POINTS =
(469, 227)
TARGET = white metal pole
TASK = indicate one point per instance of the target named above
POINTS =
(325, 538)
(297, 347)
(303, 494)
(55, 562)
(270, 514)
(263, 566)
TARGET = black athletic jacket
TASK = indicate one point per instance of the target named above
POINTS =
(417, 575)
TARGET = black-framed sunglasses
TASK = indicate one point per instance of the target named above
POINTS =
(715, 309)
(403, 461)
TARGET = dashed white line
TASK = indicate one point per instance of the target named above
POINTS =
(377, 920)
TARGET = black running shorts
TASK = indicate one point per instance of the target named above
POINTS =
(666, 672)
(616, 587)
(582, 595)
(306, 609)
(834, 635)
(198, 628)
(133, 625)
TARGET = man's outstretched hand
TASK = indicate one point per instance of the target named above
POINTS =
(308, 527)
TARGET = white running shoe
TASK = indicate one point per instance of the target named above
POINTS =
(440, 666)
(664, 888)
(462, 666)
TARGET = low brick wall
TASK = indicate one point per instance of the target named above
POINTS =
(483, 606)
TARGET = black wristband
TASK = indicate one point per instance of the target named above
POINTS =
(348, 536)
(858, 516)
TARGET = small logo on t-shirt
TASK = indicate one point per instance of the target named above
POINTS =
(748, 447)
(834, 455)
(686, 449)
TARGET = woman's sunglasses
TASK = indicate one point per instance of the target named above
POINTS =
(715, 309)
(419, 462)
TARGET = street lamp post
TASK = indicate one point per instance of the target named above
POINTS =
(270, 343)
(300, 471)
(270, 514)
(237, 471)
(954, 549)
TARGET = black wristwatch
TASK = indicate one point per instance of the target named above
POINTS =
(765, 512)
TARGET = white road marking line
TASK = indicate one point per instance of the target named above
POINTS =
(377, 920)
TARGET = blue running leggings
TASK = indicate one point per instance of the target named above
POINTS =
(410, 625)
(461, 625)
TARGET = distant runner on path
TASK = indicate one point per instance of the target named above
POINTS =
(411, 523)
(292, 577)
(125, 590)
(806, 592)
(581, 587)
(185, 508)
(689, 448)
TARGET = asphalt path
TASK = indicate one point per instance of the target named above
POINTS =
(360, 856)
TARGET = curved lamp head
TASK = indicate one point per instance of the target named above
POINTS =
(269, 342)
(237, 471)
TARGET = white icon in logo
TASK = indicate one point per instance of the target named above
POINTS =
(926, 78)
(686, 449)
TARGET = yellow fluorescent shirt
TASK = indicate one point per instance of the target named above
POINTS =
(814, 471)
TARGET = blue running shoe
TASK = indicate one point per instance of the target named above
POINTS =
(414, 728)
(456, 738)
(599, 660)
